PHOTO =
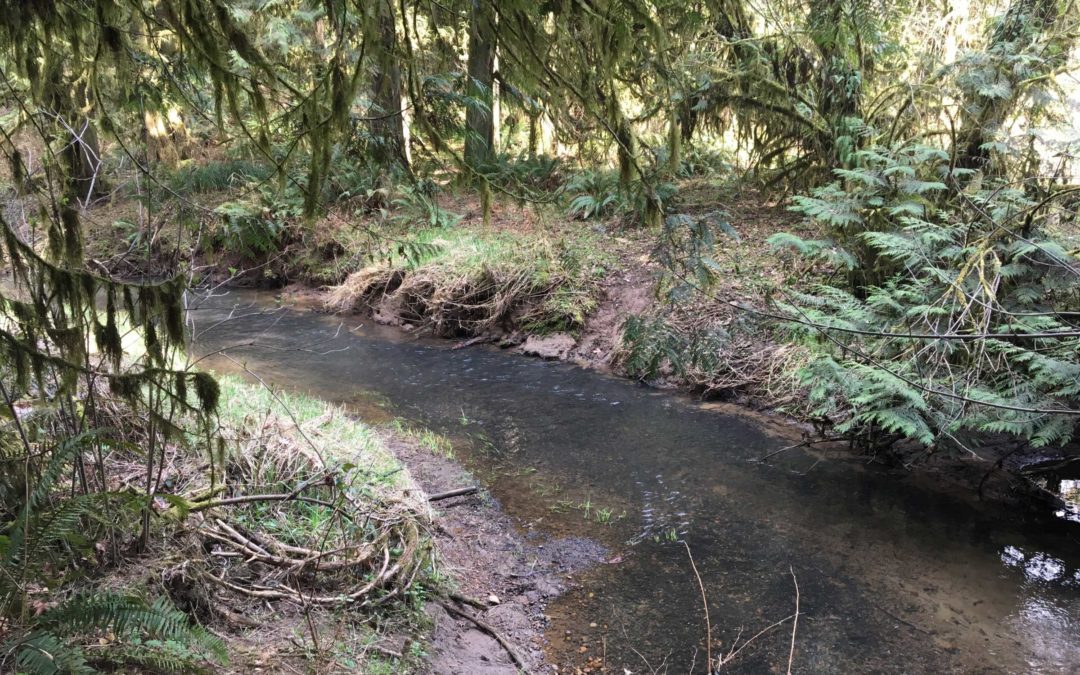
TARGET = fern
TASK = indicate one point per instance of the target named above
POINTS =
(137, 632)
(593, 194)
(933, 260)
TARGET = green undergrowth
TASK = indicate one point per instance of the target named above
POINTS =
(435, 443)
(465, 281)
(336, 436)
(362, 503)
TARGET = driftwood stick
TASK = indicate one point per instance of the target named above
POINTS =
(514, 656)
(454, 493)
(478, 340)
(803, 444)
(466, 600)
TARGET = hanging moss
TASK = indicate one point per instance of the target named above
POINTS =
(180, 385)
(69, 219)
(16, 163)
(173, 307)
(207, 391)
(126, 387)
(129, 303)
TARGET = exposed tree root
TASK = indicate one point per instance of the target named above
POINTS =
(450, 305)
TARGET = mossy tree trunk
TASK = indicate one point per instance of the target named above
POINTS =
(81, 148)
(479, 117)
(387, 123)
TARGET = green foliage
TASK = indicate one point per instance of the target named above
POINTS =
(527, 175)
(92, 631)
(41, 544)
(652, 344)
(418, 206)
(970, 267)
(702, 162)
(259, 225)
(593, 195)
(686, 249)
(201, 178)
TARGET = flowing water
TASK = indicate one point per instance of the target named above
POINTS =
(894, 576)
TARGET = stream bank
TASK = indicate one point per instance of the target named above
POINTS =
(481, 567)
(484, 557)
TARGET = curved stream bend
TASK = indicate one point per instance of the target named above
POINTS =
(893, 577)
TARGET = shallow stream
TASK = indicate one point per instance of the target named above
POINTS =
(894, 575)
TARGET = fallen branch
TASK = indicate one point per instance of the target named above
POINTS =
(459, 492)
(247, 499)
(795, 623)
(796, 445)
(478, 340)
(705, 606)
(466, 600)
(490, 631)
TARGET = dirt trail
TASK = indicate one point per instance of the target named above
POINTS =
(630, 291)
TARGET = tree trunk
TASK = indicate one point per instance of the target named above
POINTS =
(534, 132)
(479, 125)
(387, 125)
(983, 116)
(82, 153)
(674, 141)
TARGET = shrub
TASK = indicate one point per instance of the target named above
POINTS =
(961, 312)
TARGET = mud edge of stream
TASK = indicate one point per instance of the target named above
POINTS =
(488, 558)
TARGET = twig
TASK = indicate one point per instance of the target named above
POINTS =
(736, 648)
(705, 605)
(459, 492)
(489, 630)
(795, 623)
(797, 445)
(385, 651)
(244, 499)
(478, 340)
(466, 600)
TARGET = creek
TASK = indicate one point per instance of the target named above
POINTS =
(895, 573)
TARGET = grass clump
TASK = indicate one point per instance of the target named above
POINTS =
(203, 178)
(426, 438)
(463, 282)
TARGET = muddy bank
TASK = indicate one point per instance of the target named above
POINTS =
(486, 558)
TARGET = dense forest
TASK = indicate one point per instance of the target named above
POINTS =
(861, 215)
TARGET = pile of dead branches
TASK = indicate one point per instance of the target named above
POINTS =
(290, 524)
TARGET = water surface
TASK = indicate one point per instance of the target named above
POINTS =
(894, 576)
